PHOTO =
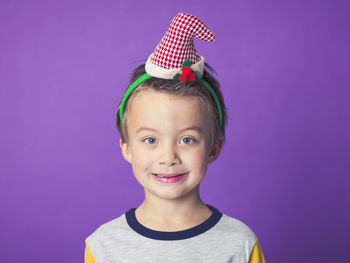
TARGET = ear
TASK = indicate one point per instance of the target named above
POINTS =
(125, 151)
(215, 152)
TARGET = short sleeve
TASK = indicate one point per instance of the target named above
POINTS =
(88, 256)
(256, 255)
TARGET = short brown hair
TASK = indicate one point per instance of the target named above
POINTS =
(174, 87)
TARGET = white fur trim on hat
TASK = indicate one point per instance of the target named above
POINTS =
(159, 72)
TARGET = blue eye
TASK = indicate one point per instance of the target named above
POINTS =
(188, 139)
(150, 140)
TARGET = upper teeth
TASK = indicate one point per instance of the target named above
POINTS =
(165, 176)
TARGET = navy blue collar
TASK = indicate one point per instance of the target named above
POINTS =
(175, 235)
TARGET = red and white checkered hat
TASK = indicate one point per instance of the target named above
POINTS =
(177, 46)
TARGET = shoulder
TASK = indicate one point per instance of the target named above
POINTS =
(108, 229)
(233, 228)
(106, 234)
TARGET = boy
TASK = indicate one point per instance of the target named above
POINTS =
(172, 124)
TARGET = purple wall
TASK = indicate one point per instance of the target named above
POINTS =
(284, 169)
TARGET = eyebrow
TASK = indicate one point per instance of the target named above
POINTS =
(194, 128)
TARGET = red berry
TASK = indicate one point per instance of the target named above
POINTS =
(187, 71)
(181, 78)
(192, 77)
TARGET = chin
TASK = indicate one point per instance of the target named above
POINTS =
(168, 193)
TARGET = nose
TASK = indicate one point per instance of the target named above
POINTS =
(168, 155)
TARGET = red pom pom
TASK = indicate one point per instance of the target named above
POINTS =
(192, 77)
(181, 78)
(187, 71)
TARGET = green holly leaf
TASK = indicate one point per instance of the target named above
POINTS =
(176, 76)
(187, 63)
(199, 76)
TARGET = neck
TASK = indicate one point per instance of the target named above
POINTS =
(188, 210)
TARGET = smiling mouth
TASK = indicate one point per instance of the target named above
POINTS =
(167, 175)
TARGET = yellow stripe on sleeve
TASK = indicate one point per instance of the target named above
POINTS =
(88, 256)
(257, 255)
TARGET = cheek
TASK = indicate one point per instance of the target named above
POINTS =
(141, 161)
(197, 161)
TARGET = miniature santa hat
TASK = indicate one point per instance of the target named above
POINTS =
(176, 47)
(176, 58)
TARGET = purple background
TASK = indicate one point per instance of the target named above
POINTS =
(283, 67)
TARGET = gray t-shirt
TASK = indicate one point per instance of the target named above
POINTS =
(220, 238)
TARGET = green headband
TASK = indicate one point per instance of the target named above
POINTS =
(177, 76)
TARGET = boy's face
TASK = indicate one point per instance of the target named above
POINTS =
(160, 143)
